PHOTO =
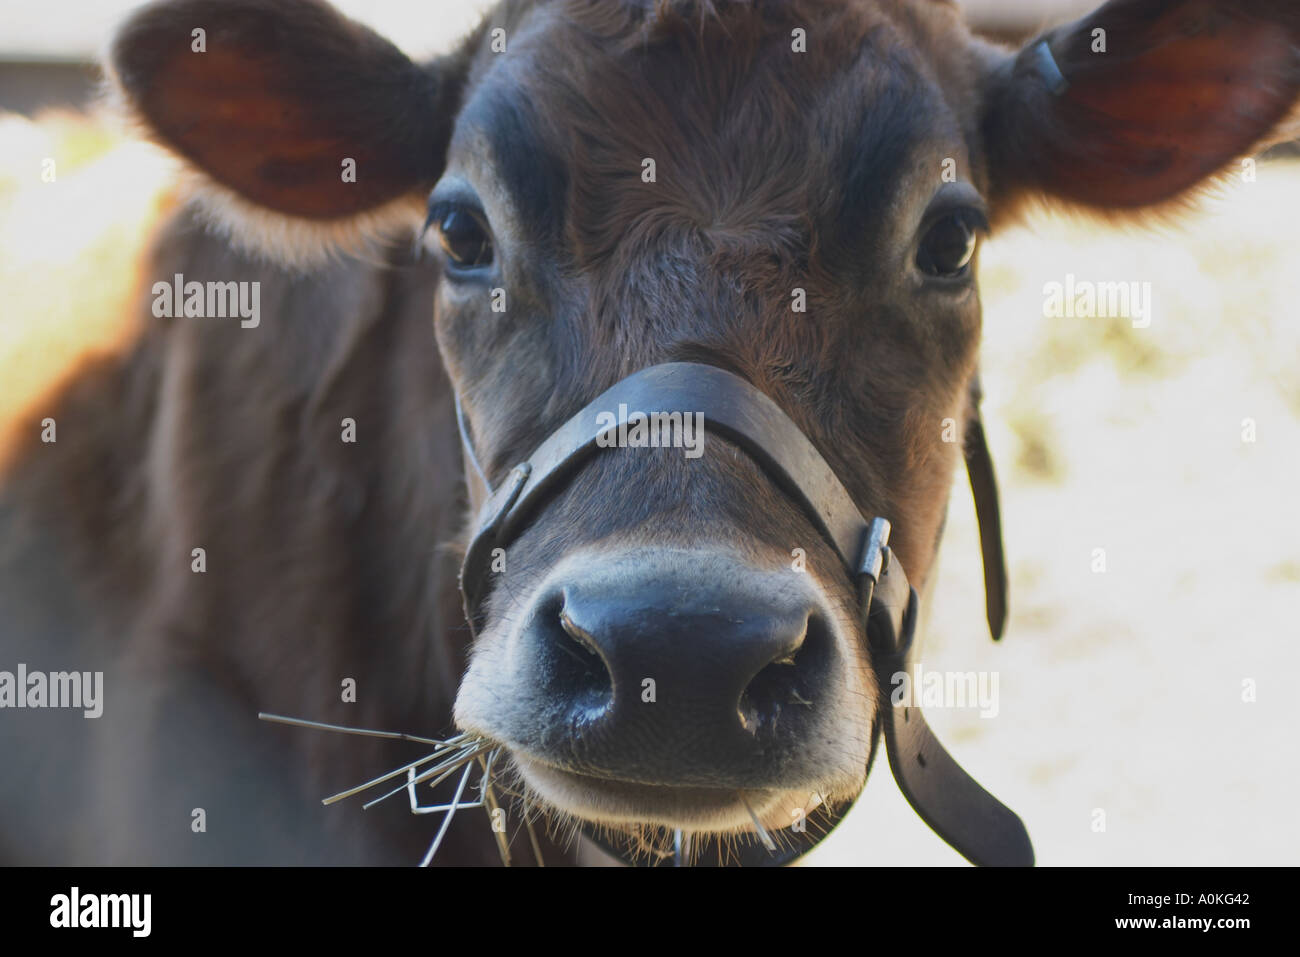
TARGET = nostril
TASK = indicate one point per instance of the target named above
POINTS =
(785, 690)
(577, 670)
(574, 631)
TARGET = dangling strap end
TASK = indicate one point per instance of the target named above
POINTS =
(984, 486)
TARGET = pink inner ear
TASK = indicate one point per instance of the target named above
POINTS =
(231, 116)
(1197, 93)
(1158, 113)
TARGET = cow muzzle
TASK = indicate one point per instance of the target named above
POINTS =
(671, 686)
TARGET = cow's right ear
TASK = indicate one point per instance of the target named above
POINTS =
(1141, 101)
(287, 103)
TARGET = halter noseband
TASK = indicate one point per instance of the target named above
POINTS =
(970, 819)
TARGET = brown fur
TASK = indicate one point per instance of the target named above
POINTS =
(328, 560)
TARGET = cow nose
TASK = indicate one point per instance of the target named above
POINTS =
(681, 677)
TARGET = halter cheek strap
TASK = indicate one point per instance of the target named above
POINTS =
(965, 815)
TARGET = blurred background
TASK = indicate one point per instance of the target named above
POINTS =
(1121, 691)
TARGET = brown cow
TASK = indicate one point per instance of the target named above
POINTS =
(615, 185)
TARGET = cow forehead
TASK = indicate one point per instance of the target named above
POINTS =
(741, 121)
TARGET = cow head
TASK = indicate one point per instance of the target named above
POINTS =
(791, 191)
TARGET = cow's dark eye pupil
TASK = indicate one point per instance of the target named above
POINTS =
(464, 239)
(947, 248)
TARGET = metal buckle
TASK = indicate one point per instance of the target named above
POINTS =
(1045, 66)
(875, 551)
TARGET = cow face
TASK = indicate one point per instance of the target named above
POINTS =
(672, 630)
(794, 192)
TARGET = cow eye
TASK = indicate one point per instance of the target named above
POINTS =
(462, 235)
(948, 245)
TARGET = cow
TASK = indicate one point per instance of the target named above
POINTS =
(248, 513)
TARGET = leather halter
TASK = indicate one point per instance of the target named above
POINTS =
(970, 819)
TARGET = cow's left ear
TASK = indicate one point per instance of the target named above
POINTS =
(287, 103)
(1142, 100)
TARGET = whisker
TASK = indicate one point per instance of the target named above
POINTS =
(681, 849)
(758, 825)
(532, 837)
